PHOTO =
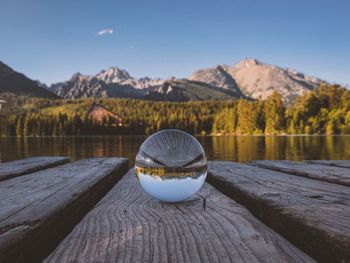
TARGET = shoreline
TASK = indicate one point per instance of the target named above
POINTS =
(199, 135)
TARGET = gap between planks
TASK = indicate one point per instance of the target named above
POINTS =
(318, 171)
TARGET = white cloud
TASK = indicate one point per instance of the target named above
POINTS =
(107, 31)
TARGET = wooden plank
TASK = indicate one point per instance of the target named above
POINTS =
(29, 165)
(331, 174)
(338, 163)
(38, 211)
(128, 225)
(312, 214)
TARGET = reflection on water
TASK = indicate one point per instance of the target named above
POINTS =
(236, 148)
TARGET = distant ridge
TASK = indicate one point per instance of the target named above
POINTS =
(117, 83)
(17, 83)
(250, 78)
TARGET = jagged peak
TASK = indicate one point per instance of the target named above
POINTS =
(249, 62)
(220, 67)
(76, 75)
(112, 74)
(116, 70)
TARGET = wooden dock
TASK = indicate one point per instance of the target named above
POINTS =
(94, 210)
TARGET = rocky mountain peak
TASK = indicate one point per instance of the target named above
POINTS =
(77, 77)
(253, 78)
(113, 75)
(217, 77)
(256, 79)
(248, 62)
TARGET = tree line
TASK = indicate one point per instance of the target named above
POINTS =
(70, 118)
(325, 110)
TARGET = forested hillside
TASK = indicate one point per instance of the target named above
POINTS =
(68, 117)
(325, 110)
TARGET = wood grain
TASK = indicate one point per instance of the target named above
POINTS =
(38, 211)
(128, 225)
(312, 214)
(338, 163)
(331, 174)
(29, 165)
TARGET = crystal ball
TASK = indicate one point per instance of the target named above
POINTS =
(171, 165)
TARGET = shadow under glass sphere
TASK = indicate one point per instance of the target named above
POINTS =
(171, 165)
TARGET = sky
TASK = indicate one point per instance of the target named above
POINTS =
(51, 40)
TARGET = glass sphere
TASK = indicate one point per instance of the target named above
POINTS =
(171, 165)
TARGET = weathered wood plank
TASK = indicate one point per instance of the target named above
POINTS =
(338, 163)
(127, 225)
(38, 211)
(312, 214)
(331, 174)
(29, 165)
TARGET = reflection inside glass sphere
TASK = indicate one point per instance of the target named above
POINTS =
(171, 165)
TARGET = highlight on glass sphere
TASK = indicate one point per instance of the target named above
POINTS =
(171, 165)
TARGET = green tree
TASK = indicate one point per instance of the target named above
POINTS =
(247, 117)
(20, 125)
(274, 114)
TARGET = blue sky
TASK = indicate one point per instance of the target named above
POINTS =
(50, 40)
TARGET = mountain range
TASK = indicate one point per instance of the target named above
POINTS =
(117, 83)
(249, 78)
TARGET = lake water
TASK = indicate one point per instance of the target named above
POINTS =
(235, 148)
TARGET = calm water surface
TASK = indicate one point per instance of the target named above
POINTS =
(235, 148)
